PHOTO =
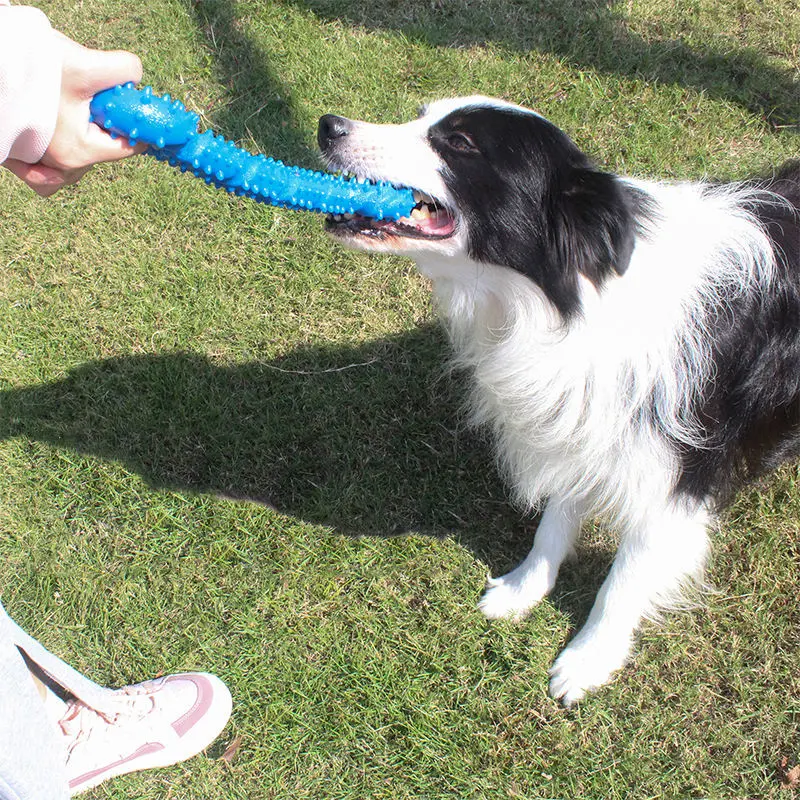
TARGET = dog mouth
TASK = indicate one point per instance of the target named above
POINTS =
(430, 219)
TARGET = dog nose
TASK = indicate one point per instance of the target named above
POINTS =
(332, 128)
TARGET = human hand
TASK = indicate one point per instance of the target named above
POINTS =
(77, 143)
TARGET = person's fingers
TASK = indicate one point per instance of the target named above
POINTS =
(44, 180)
(77, 143)
(104, 70)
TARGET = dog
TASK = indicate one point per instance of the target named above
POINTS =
(633, 346)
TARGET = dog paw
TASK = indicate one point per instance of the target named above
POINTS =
(583, 667)
(512, 596)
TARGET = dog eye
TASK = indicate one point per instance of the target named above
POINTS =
(461, 142)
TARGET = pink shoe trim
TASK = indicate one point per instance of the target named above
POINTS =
(205, 695)
(144, 750)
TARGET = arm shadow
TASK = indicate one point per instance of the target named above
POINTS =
(259, 102)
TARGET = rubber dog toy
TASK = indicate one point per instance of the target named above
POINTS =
(173, 135)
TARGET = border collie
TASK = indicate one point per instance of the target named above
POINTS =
(633, 346)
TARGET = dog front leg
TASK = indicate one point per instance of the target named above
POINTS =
(653, 561)
(516, 593)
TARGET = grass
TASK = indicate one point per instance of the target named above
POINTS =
(228, 445)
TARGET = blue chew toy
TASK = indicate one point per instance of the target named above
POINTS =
(173, 135)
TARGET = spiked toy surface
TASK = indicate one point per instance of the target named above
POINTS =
(173, 135)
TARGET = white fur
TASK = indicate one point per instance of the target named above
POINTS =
(567, 404)
(563, 402)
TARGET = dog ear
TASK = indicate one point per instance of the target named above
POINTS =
(593, 224)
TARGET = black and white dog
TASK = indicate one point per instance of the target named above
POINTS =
(634, 346)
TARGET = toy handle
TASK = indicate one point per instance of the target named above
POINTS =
(173, 135)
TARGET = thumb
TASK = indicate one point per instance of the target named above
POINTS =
(105, 148)
(104, 69)
(86, 72)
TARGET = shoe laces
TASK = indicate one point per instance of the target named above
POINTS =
(82, 725)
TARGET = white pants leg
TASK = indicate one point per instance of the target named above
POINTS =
(31, 759)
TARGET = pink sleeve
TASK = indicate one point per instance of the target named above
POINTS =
(30, 83)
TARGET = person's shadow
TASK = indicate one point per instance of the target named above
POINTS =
(583, 33)
(365, 440)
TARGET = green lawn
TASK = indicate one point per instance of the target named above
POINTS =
(229, 445)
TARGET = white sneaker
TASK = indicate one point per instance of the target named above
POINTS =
(159, 722)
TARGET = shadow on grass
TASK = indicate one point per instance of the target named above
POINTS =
(585, 33)
(362, 439)
(260, 101)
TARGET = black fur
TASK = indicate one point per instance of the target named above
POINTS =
(751, 407)
(533, 201)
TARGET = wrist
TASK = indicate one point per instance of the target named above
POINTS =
(30, 83)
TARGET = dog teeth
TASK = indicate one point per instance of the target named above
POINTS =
(421, 214)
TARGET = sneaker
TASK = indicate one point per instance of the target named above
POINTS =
(159, 722)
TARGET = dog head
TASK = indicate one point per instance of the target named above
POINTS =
(496, 183)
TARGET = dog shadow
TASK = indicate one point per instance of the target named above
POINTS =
(362, 439)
